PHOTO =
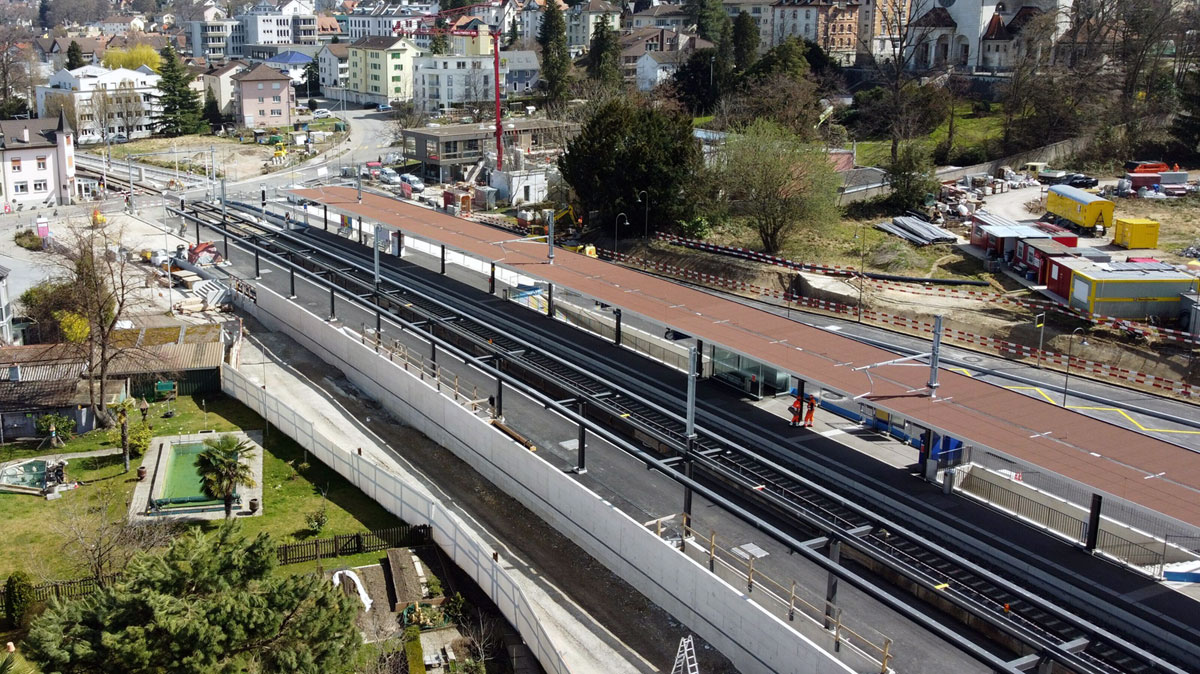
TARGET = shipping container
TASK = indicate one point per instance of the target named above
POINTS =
(1136, 233)
(1120, 289)
(1147, 180)
(1086, 211)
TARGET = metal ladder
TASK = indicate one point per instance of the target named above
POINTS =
(685, 658)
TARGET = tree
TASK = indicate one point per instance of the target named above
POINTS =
(221, 469)
(123, 409)
(98, 536)
(1186, 127)
(556, 60)
(910, 177)
(128, 107)
(709, 16)
(44, 15)
(14, 71)
(745, 41)
(312, 78)
(212, 111)
(623, 150)
(439, 44)
(696, 83)
(181, 112)
(209, 603)
(406, 115)
(74, 56)
(786, 58)
(132, 58)
(604, 57)
(64, 103)
(18, 596)
(779, 181)
(102, 108)
(791, 102)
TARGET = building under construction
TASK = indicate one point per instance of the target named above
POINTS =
(447, 153)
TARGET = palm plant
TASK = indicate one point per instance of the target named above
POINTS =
(9, 665)
(221, 469)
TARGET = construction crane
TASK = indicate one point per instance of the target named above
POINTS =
(458, 32)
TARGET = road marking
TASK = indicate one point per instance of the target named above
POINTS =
(832, 432)
(1034, 388)
(961, 370)
(1118, 410)
(942, 586)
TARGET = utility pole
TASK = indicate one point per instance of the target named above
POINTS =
(935, 355)
(1039, 322)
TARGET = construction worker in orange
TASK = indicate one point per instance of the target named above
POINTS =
(796, 408)
(812, 407)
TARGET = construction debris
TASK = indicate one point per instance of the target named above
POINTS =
(917, 231)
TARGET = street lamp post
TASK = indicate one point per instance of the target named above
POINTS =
(862, 262)
(1070, 345)
(644, 196)
(616, 230)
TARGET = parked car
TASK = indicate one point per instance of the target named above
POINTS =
(322, 113)
(389, 176)
(412, 181)
(1080, 180)
(88, 139)
(118, 138)
(383, 107)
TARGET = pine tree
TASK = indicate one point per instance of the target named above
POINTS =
(556, 60)
(181, 113)
(604, 56)
(74, 56)
(708, 15)
(745, 41)
(44, 15)
(209, 603)
(212, 110)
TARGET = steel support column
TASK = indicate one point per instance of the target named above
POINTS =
(257, 269)
(550, 300)
(325, 208)
(492, 281)
(332, 306)
(617, 335)
(292, 282)
(197, 227)
(1093, 529)
(831, 584)
(687, 488)
(443, 258)
(581, 456)
(498, 405)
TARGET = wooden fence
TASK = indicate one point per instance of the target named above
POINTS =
(403, 536)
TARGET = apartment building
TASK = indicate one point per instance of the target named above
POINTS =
(264, 98)
(104, 101)
(380, 69)
(333, 63)
(388, 18)
(582, 20)
(454, 81)
(219, 80)
(37, 163)
(832, 24)
(760, 11)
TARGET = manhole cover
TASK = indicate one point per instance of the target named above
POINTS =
(972, 359)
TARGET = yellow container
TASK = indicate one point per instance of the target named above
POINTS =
(1136, 233)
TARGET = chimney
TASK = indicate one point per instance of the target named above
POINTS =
(25, 134)
(14, 372)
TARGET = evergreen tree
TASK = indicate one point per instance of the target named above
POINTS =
(209, 603)
(335, 40)
(698, 82)
(724, 65)
(708, 15)
(556, 60)
(512, 32)
(44, 15)
(312, 78)
(786, 58)
(440, 44)
(74, 56)
(745, 41)
(18, 595)
(212, 110)
(604, 56)
(181, 113)
(624, 149)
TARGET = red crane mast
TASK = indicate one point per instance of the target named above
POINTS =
(458, 32)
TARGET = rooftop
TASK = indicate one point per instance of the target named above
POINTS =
(488, 129)
(261, 73)
(1125, 271)
(1076, 194)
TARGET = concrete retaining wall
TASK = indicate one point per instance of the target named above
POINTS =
(753, 639)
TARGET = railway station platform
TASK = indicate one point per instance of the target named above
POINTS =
(1146, 484)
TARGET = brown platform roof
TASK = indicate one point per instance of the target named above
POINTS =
(1121, 462)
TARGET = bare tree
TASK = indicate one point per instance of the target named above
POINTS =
(128, 107)
(99, 538)
(65, 103)
(101, 106)
(105, 285)
(483, 636)
(479, 93)
(14, 70)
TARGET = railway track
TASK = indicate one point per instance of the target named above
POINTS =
(1036, 630)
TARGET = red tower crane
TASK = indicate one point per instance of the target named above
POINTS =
(458, 32)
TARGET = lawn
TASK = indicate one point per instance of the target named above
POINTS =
(969, 131)
(290, 490)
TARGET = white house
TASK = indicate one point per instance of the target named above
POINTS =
(37, 162)
(656, 67)
(582, 20)
(441, 82)
(530, 17)
(675, 17)
(333, 62)
(388, 19)
(219, 80)
(120, 25)
(105, 101)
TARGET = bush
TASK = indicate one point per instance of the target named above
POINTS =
(434, 585)
(317, 520)
(313, 104)
(455, 608)
(18, 596)
(981, 108)
(696, 228)
(140, 435)
(891, 255)
(27, 239)
(63, 426)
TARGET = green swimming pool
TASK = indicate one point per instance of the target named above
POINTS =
(182, 486)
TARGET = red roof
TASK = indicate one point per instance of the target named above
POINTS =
(996, 30)
(1110, 458)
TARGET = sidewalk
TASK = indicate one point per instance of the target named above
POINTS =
(320, 394)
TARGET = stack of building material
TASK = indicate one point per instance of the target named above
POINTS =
(917, 231)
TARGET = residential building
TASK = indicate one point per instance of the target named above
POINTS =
(120, 25)
(6, 310)
(290, 63)
(530, 17)
(388, 18)
(333, 62)
(104, 101)
(215, 40)
(661, 16)
(447, 152)
(37, 162)
(450, 81)
(219, 80)
(520, 70)
(636, 43)
(42, 379)
(879, 28)
(657, 67)
(831, 24)
(268, 52)
(582, 20)
(760, 11)
(380, 69)
(263, 98)
(329, 29)
(54, 49)
(265, 25)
